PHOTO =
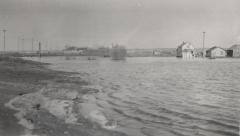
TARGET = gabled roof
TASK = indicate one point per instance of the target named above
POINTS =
(188, 44)
(184, 43)
(214, 47)
(235, 46)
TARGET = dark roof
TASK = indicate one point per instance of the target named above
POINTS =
(184, 43)
(214, 47)
(235, 46)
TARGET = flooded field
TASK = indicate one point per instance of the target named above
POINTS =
(164, 96)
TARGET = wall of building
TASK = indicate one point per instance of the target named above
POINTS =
(187, 55)
(236, 52)
(217, 52)
(179, 52)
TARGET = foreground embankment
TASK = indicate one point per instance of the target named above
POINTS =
(41, 102)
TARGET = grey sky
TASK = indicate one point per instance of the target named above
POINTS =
(134, 23)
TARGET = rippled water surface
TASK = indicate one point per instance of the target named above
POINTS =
(165, 96)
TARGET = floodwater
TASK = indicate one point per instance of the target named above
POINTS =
(164, 96)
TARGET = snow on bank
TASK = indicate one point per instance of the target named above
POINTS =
(90, 111)
(60, 103)
(23, 104)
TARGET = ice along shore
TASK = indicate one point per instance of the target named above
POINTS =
(48, 103)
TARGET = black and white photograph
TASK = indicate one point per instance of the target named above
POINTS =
(119, 67)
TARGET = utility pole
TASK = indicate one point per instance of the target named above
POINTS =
(32, 44)
(18, 44)
(46, 45)
(22, 44)
(203, 44)
(4, 40)
(39, 49)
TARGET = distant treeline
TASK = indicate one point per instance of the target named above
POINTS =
(160, 52)
(116, 51)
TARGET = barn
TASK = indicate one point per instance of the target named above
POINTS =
(216, 52)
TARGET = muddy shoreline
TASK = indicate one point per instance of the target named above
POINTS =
(42, 102)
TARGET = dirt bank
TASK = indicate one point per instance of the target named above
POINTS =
(38, 101)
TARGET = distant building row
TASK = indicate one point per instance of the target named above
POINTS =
(186, 50)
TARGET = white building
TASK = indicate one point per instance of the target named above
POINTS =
(185, 50)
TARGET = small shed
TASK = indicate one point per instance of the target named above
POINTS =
(234, 51)
(216, 52)
(185, 50)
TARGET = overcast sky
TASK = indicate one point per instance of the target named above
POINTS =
(134, 23)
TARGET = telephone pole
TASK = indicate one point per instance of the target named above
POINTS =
(32, 44)
(4, 40)
(40, 49)
(18, 44)
(203, 44)
(22, 44)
